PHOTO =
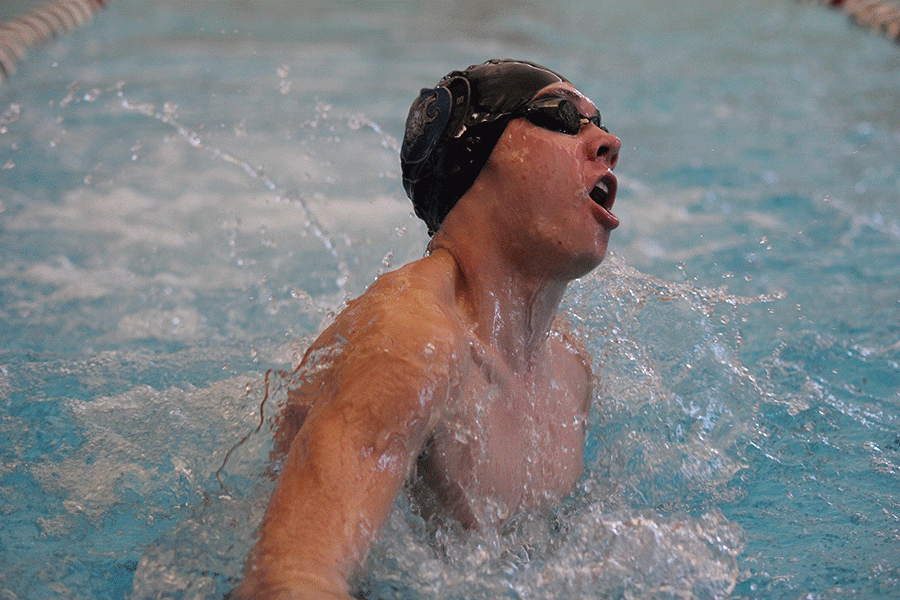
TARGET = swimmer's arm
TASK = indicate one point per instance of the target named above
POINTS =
(342, 475)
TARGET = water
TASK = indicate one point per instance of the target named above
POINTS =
(186, 196)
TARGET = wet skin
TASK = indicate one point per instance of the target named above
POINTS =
(451, 376)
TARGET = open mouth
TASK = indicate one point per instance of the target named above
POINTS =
(604, 193)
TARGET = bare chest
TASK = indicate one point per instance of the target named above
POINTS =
(508, 444)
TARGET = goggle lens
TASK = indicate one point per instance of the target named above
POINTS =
(560, 115)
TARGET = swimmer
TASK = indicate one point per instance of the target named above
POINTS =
(452, 379)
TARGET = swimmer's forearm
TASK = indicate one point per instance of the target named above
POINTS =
(293, 586)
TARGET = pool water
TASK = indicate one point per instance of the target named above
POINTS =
(187, 195)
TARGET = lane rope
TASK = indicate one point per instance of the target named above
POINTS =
(45, 23)
(879, 16)
(39, 26)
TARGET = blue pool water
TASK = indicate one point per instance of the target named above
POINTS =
(187, 195)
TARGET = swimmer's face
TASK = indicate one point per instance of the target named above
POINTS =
(556, 184)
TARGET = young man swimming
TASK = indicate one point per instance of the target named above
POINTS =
(453, 376)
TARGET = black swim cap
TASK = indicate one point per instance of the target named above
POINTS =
(452, 129)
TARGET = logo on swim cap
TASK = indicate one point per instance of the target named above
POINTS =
(428, 117)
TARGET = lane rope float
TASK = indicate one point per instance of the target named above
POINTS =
(879, 16)
(39, 26)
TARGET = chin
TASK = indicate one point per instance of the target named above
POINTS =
(584, 264)
(573, 258)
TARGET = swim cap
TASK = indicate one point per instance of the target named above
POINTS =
(452, 129)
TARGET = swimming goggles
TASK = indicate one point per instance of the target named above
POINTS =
(559, 114)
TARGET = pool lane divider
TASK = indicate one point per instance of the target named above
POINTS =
(880, 16)
(40, 25)
(47, 22)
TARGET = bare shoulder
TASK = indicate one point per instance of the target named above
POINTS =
(572, 356)
(402, 333)
(405, 308)
(569, 343)
(399, 340)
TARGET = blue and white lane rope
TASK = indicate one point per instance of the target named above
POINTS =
(880, 16)
(40, 25)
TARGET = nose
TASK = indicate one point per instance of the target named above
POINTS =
(606, 147)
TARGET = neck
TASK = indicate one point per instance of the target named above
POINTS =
(510, 310)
